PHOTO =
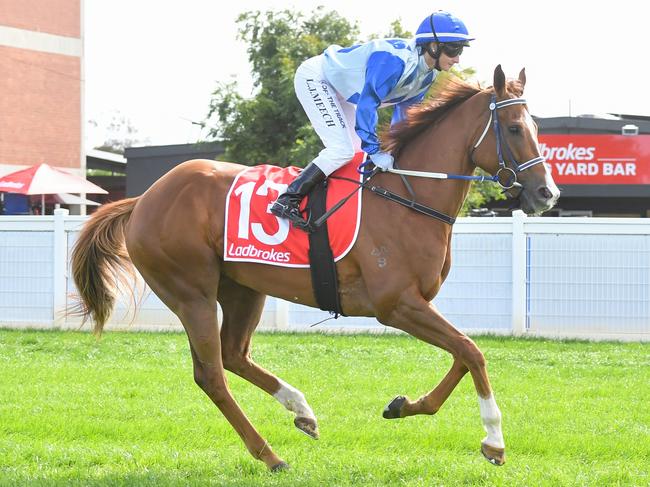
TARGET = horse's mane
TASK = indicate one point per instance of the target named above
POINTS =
(452, 93)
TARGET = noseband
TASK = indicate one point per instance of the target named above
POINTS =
(514, 166)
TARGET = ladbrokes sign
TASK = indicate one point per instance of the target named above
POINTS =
(597, 159)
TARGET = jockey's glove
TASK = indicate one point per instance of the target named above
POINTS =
(382, 160)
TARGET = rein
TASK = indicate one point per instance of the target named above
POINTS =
(513, 168)
(389, 195)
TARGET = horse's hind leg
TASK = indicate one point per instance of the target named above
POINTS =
(190, 291)
(430, 403)
(242, 308)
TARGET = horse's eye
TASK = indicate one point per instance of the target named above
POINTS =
(514, 129)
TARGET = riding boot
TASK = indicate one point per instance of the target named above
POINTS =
(288, 204)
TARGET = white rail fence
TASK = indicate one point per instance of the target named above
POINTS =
(555, 277)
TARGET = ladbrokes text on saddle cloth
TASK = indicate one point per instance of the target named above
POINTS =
(253, 234)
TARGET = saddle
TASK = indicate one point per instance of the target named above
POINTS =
(253, 234)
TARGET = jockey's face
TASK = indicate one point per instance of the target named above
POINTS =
(448, 56)
(446, 62)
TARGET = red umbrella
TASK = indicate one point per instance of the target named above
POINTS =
(43, 179)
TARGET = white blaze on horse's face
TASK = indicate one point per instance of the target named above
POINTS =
(540, 191)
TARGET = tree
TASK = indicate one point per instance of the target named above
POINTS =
(119, 134)
(271, 126)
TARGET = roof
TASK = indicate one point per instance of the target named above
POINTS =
(642, 118)
(173, 150)
(590, 124)
(106, 156)
(105, 161)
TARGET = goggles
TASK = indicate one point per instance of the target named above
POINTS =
(452, 49)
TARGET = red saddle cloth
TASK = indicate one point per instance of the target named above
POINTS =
(254, 234)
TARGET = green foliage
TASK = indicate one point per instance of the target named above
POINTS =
(271, 126)
(126, 411)
(480, 194)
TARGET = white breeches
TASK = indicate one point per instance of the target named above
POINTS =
(332, 117)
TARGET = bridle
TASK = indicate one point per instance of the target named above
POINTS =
(508, 170)
(514, 167)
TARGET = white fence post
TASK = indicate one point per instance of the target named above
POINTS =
(281, 314)
(518, 273)
(60, 263)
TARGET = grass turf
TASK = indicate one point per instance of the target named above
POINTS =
(125, 411)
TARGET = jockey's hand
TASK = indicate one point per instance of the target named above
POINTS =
(382, 160)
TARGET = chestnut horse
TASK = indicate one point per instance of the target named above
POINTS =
(173, 234)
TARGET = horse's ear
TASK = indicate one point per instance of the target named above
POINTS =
(499, 82)
(522, 77)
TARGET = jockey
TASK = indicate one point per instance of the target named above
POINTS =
(342, 89)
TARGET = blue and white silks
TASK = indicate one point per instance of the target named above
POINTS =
(379, 73)
(342, 89)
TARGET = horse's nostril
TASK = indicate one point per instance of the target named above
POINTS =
(546, 193)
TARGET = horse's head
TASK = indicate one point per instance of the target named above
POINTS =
(511, 151)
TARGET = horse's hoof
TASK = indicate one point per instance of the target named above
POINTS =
(280, 467)
(307, 426)
(392, 411)
(496, 456)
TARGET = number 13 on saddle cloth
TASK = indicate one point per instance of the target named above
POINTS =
(253, 234)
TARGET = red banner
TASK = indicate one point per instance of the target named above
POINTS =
(597, 159)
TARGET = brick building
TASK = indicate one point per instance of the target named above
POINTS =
(41, 84)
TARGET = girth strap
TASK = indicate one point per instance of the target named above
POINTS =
(321, 260)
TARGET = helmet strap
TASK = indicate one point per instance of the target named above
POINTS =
(434, 54)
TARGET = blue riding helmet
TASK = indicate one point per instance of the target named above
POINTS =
(442, 27)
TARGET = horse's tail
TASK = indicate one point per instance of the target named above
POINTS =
(100, 260)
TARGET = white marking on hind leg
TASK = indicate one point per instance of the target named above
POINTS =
(491, 417)
(294, 400)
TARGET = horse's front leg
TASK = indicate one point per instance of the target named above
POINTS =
(415, 315)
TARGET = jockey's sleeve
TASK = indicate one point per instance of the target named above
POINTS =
(399, 113)
(383, 71)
